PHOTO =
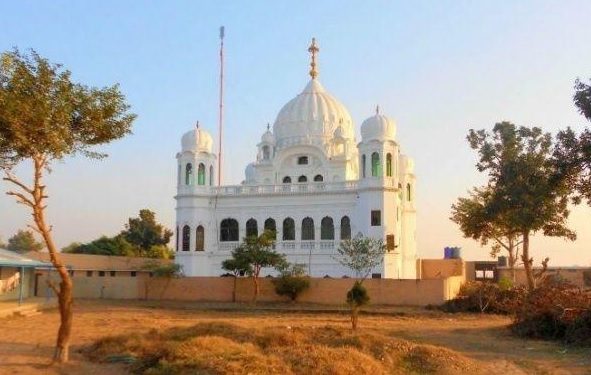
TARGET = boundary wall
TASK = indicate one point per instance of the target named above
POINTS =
(228, 289)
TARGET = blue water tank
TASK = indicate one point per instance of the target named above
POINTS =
(447, 253)
(456, 252)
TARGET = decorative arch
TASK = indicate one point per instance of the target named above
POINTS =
(288, 229)
(318, 178)
(177, 238)
(201, 174)
(302, 179)
(375, 165)
(200, 238)
(308, 229)
(186, 238)
(408, 192)
(266, 152)
(389, 165)
(189, 174)
(229, 230)
(211, 175)
(345, 228)
(252, 229)
(327, 228)
(271, 227)
(287, 180)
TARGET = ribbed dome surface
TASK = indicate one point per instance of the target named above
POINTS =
(197, 140)
(312, 114)
(378, 127)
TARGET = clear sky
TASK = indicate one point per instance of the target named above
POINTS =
(438, 67)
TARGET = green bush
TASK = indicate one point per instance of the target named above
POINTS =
(357, 296)
(485, 297)
(291, 286)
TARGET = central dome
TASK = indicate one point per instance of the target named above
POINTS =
(312, 117)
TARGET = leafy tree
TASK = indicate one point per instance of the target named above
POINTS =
(476, 221)
(573, 155)
(292, 281)
(23, 241)
(104, 246)
(45, 117)
(529, 191)
(144, 232)
(361, 255)
(582, 98)
(254, 254)
(2, 244)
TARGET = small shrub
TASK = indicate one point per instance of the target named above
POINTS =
(486, 297)
(356, 298)
(556, 311)
(291, 286)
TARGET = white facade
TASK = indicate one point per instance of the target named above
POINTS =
(311, 182)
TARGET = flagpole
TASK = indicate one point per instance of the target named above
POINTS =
(221, 114)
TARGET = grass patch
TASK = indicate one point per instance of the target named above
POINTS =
(222, 348)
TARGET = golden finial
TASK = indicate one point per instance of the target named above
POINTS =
(197, 124)
(377, 109)
(313, 49)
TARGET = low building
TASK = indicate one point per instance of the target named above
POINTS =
(17, 275)
(92, 266)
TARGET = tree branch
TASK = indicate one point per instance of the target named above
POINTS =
(53, 287)
(12, 178)
(21, 198)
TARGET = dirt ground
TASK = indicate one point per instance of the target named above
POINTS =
(26, 344)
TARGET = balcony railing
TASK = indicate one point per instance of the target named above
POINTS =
(287, 189)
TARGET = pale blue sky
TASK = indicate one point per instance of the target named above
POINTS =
(437, 67)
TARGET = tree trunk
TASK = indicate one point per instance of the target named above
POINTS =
(527, 262)
(255, 280)
(354, 317)
(64, 294)
(512, 259)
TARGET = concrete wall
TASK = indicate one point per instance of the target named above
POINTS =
(574, 275)
(441, 268)
(222, 289)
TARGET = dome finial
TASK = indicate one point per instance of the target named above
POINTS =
(197, 124)
(377, 109)
(268, 126)
(313, 49)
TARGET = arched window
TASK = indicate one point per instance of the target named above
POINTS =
(200, 239)
(211, 175)
(288, 229)
(408, 196)
(271, 227)
(177, 238)
(201, 174)
(252, 229)
(179, 177)
(389, 165)
(287, 180)
(189, 174)
(266, 153)
(307, 229)
(186, 238)
(345, 228)
(302, 179)
(327, 229)
(318, 178)
(363, 165)
(229, 230)
(375, 165)
(303, 160)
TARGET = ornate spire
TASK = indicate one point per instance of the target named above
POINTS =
(268, 126)
(377, 109)
(197, 124)
(313, 49)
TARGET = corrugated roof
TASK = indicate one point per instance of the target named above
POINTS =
(100, 262)
(13, 259)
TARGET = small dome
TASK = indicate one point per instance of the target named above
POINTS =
(268, 137)
(378, 127)
(197, 140)
(314, 113)
(339, 132)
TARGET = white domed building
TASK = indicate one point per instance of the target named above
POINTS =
(312, 183)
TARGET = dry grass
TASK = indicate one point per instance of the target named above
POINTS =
(223, 348)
